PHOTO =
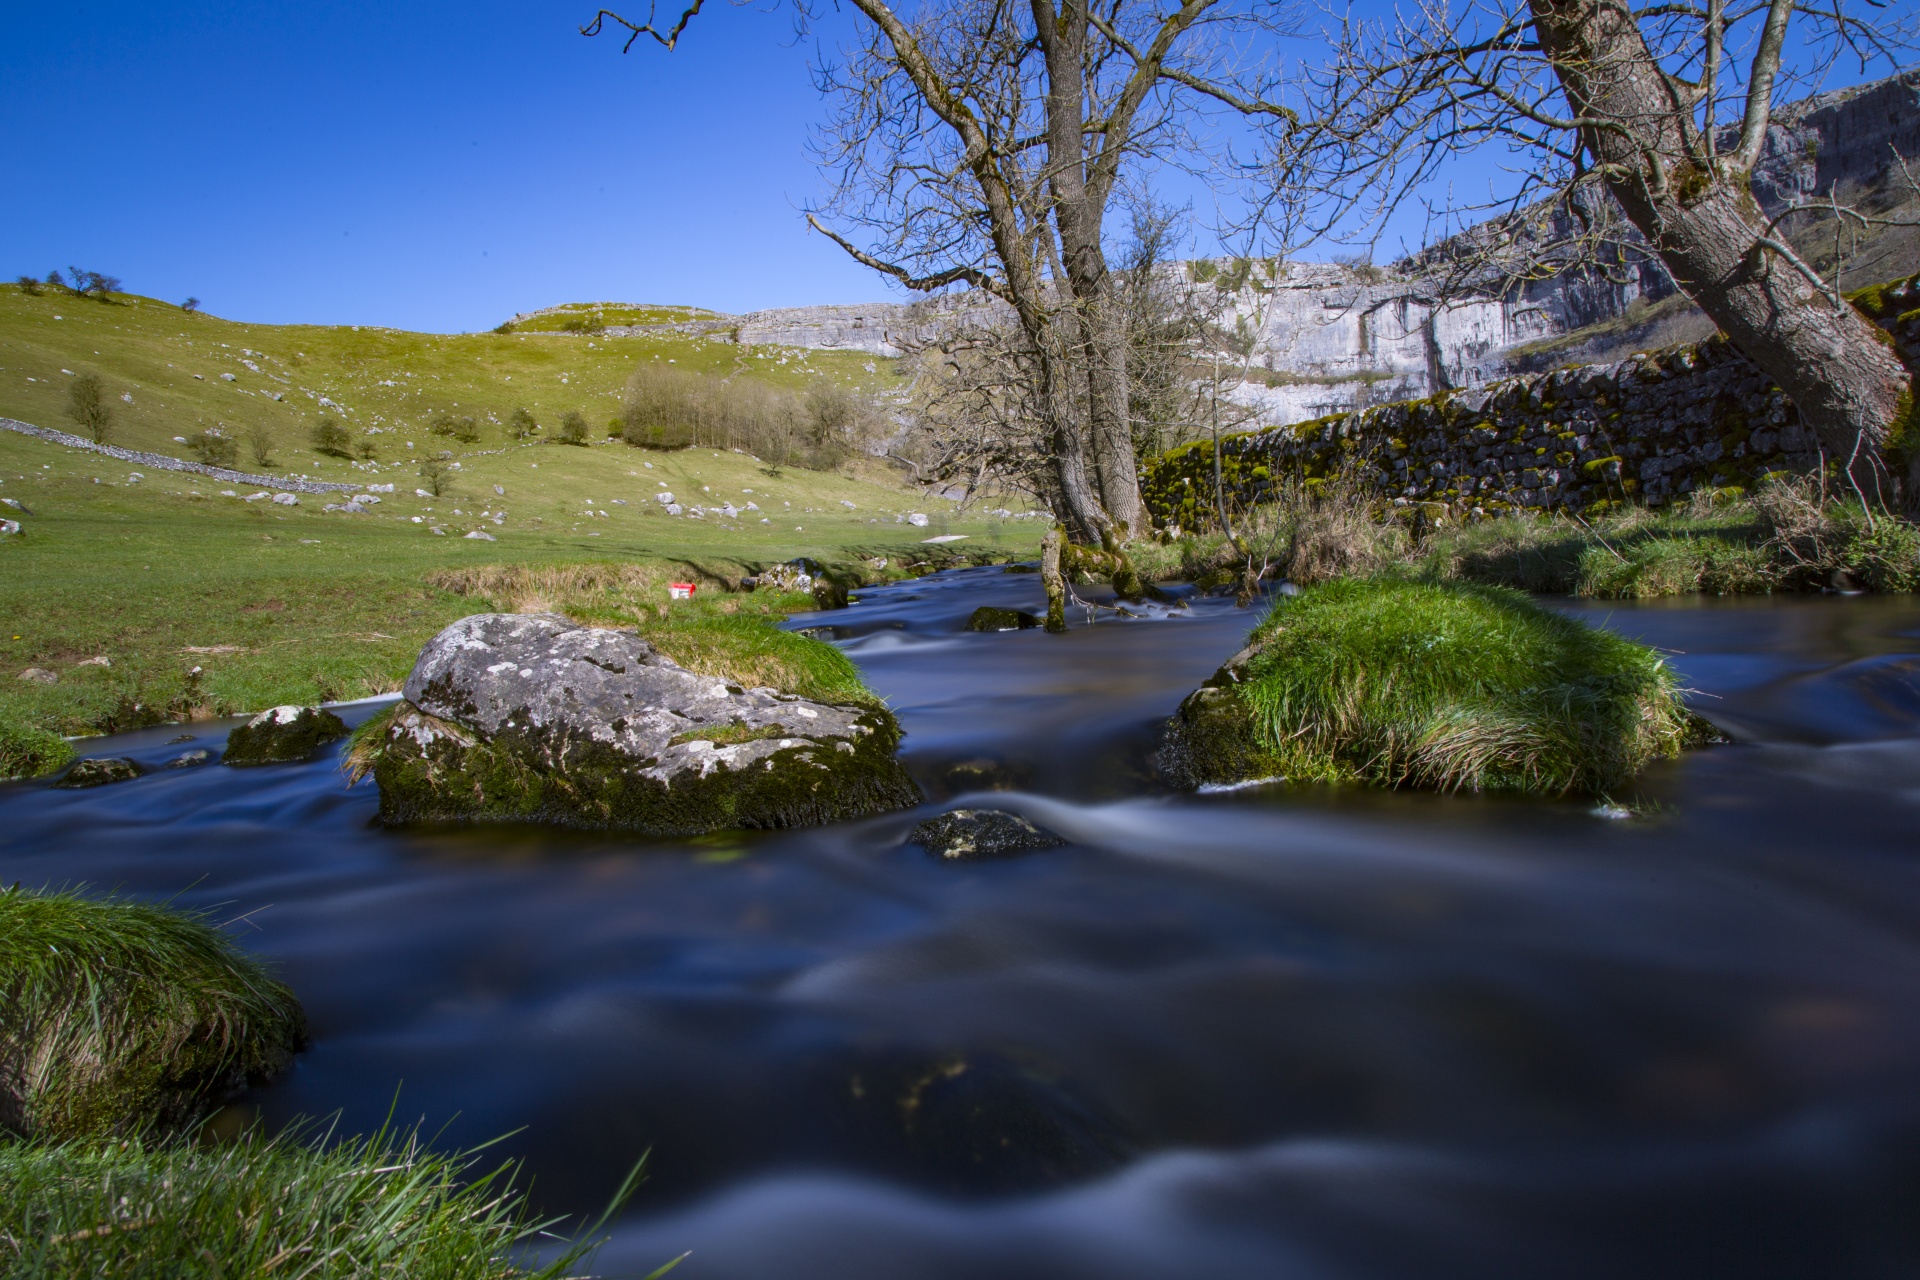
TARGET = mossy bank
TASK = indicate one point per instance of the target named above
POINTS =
(1447, 687)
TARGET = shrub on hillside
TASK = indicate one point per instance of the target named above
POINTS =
(329, 437)
(583, 324)
(521, 424)
(214, 447)
(461, 427)
(573, 428)
(87, 406)
(367, 447)
(28, 284)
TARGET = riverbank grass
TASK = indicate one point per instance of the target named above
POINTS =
(123, 1018)
(1449, 687)
(258, 1208)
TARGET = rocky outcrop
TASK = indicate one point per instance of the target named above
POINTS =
(535, 718)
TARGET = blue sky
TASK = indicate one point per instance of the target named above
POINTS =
(416, 163)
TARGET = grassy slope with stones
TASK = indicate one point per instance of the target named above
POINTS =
(293, 604)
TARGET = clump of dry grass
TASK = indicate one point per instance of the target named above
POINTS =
(120, 1017)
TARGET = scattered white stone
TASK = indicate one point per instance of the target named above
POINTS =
(439, 531)
(255, 497)
(179, 439)
(227, 377)
(663, 498)
(379, 488)
(38, 675)
(228, 493)
(101, 661)
(134, 477)
(917, 520)
(848, 505)
(9, 527)
(483, 535)
(945, 537)
(419, 519)
(126, 397)
(499, 490)
(285, 500)
(364, 499)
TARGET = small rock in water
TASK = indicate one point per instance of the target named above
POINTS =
(185, 737)
(282, 734)
(988, 618)
(38, 675)
(981, 833)
(1612, 812)
(99, 772)
(188, 759)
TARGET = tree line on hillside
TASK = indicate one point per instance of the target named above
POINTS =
(983, 145)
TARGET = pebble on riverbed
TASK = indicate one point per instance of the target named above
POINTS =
(965, 834)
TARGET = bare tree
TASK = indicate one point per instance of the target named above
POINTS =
(1661, 110)
(980, 143)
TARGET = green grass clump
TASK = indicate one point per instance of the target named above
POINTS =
(122, 1017)
(28, 751)
(1446, 686)
(258, 1208)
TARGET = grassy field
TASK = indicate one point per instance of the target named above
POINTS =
(206, 604)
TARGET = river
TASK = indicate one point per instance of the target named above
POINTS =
(1261, 1034)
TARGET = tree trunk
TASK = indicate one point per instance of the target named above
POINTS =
(1079, 213)
(1834, 364)
(1051, 580)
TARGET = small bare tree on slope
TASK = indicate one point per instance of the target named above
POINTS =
(1666, 106)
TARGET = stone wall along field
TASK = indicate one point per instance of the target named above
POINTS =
(1648, 429)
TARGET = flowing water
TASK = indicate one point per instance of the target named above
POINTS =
(1260, 1034)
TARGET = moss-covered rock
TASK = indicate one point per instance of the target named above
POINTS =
(1411, 684)
(99, 771)
(124, 1018)
(989, 618)
(534, 718)
(282, 735)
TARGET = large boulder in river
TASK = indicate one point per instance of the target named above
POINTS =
(535, 718)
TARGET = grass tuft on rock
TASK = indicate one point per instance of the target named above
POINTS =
(122, 1017)
(1449, 687)
(379, 1206)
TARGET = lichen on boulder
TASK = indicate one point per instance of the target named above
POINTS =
(1440, 686)
(282, 735)
(536, 718)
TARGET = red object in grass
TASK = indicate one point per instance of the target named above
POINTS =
(680, 590)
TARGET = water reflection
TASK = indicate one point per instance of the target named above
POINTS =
(1262, 1034)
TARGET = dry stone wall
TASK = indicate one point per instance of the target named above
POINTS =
(1649, 429)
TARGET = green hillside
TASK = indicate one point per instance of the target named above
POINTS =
(177, 571)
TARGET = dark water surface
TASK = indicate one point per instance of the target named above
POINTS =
(1262, 1034)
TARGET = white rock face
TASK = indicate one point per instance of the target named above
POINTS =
(285, 500)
